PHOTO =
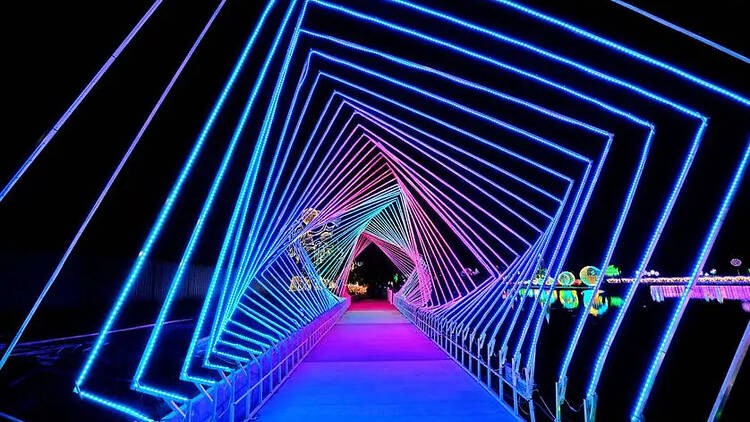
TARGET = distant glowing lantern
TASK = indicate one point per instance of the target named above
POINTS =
(566, 278)
(589, 274)
(612, 271)
(356, 289)
(587, 296)
(543, 296)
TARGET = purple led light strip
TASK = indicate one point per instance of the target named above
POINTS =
(112, 178)
(61, 121)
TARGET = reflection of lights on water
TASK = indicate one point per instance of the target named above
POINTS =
(569, 299)
(545, 294)
(612, 271)
(600, 305)
(567, 295)
(616, 301)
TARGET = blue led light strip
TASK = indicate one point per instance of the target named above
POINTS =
(167, 207)
(263, 137)
(242, 202)
(684, 31)
(195, 236)
(530, 75)
(109, 184)
(605, 261)
(623, 49)
(321, 305)
(679, 309)
(61, 121)
(470, 111)
(532, 311)
(655, 236)
(114, 405)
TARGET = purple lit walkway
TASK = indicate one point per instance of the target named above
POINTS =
(376, 366)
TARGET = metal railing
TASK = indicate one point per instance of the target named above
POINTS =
(480, 368)
(234, 398)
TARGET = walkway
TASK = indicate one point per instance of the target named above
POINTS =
(374, 365)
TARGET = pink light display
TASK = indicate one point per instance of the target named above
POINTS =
(719, 293)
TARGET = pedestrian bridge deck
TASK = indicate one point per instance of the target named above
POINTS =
(374, 365)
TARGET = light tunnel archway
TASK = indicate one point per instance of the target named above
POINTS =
(488, 160)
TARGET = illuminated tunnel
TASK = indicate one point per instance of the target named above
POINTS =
(560, 188)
